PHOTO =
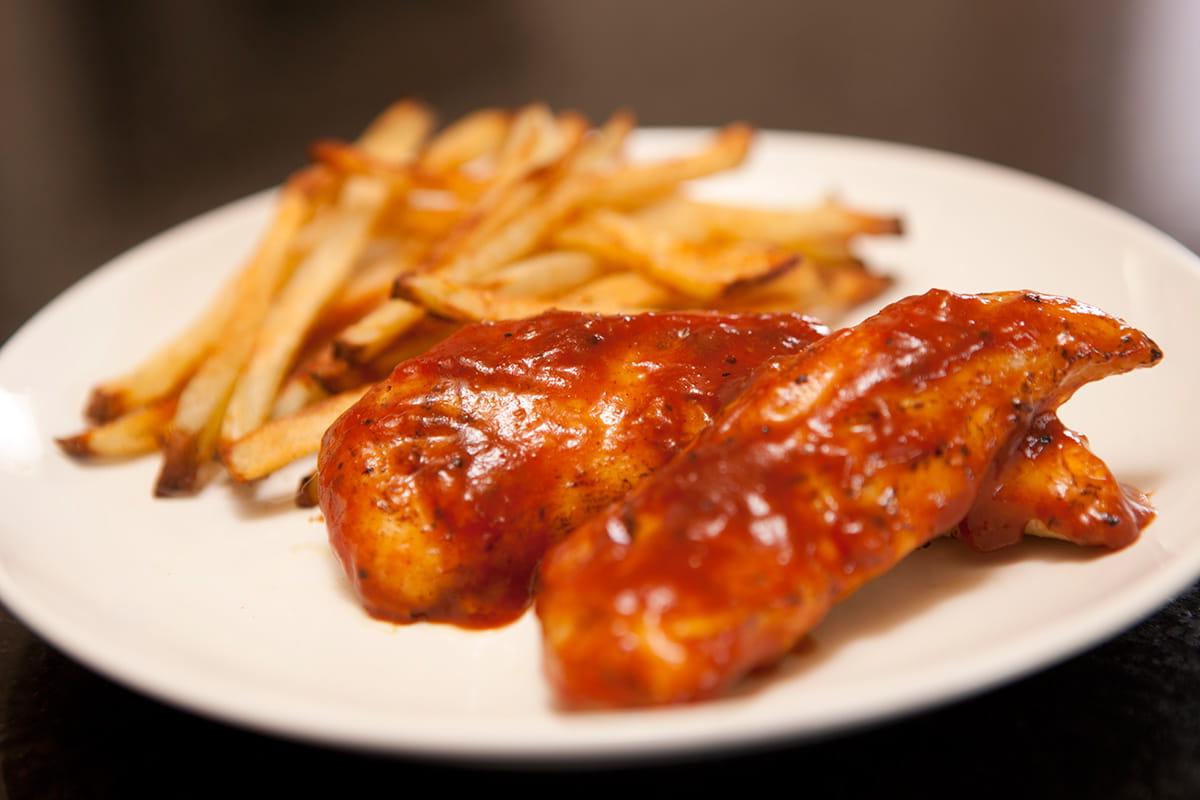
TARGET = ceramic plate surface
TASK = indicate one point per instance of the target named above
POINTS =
(232, 605)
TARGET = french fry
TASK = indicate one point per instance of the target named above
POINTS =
(477, 226)
(788, 227)
(347, 159)
(546, 275)
(298, 304)
(700, 270)
(316, 229)
(394, 137)
(848, 283)
(640, 183)
(134, 434)
(610, 294)
(535, 142)
(428, 332)
(448, 299)
(526, 230)
(190, 439)
(465, 188)
(386, 149)
(465, 140)
(397, 134)
(201, 416)
(826, 290)
(800, 289)
(281, 441)
(427, 216)
(367, 287)
(811, 231)
(298, 392)
(332, 375)
(619, 293)
(676, 215)
(165, 370)
(371, 335)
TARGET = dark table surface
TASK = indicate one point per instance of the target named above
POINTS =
(122, 119)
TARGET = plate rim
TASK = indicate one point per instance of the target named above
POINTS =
(965, 679)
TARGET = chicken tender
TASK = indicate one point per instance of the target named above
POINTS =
(829, 468)
(445, 485)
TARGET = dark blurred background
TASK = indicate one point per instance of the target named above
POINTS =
(120, 119)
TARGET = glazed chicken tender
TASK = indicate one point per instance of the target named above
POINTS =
(831, 467)
(446, 484)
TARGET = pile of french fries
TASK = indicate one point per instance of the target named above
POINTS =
(382, 247)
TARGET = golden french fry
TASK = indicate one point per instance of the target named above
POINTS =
(201, 415)
(372, 334)
(791, 227)
(299, 391)
(532, 142)
(312, 284)
(281, 441)
(191, 436)
(624, 292)
(700, 270)
(425, 335)
(460, 186)
(421, 219)
(536, 142)
(167, 369)
(545, 275)
(133, 434)
(400, 129)
(347, 159)
(397, 134)
(164, 371)
(332, 374)
(386, 149)
(640, 183)
(618, 293)
(822, 234)
(369, 286)
(445, 298)
(800, 289)
(313, 231)
(849, 283)
(676, 215)
(826, 251)
(527, 229)
(394, 137)
(465, 140)
(476, 227)
(826, 290)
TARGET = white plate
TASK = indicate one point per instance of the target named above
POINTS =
(239, 612)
